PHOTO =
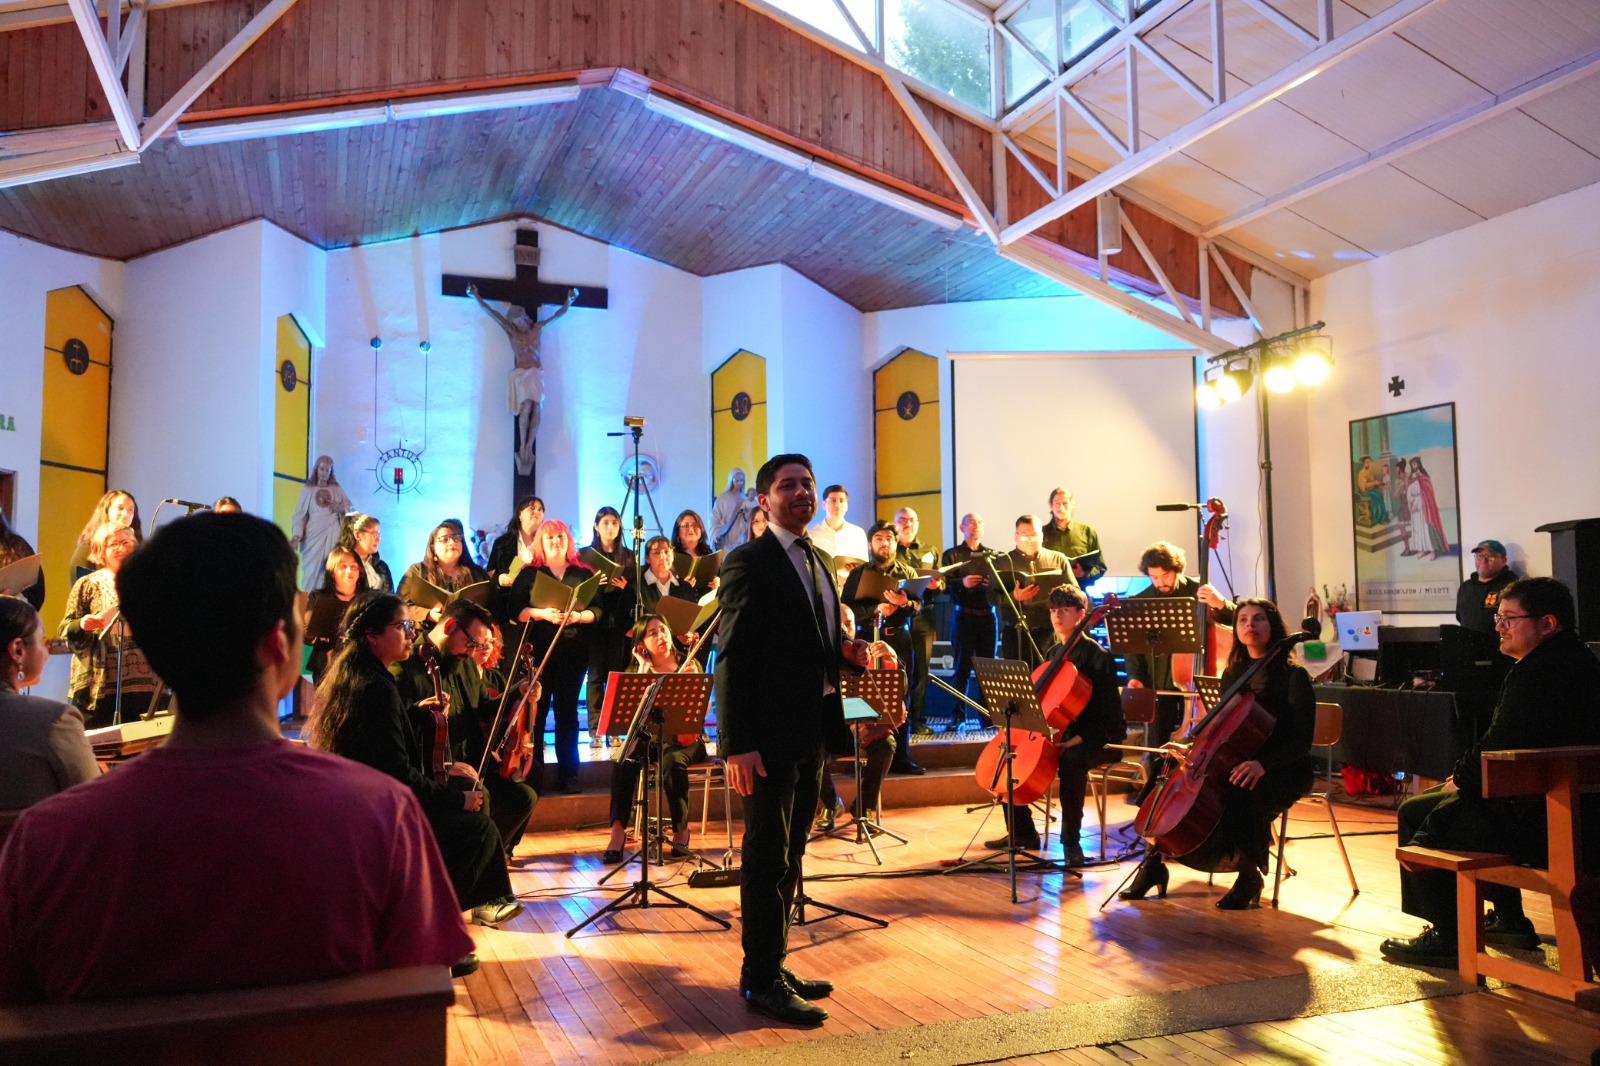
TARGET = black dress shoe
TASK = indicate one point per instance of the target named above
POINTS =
(778, 1001)
(1072, 852)
(469, 964)
(1025, 841)
(1506, 931)
(1432, 948)
(807, 989)
(611, 856)
(496, 913)
(907, 767)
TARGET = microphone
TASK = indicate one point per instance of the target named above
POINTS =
(1178, 506)
(189, 504)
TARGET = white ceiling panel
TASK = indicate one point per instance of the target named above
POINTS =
(1500, 44)
(1300, 245)
(1383, 93)
(1384, 210)
(1194, 190)
(1273, 148)
(1486, 167)
(1573, 112)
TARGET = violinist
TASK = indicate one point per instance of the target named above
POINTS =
(654, 653)
(360, 714)
(890, 620)
(1083, 742)
(876, 742)
(1260, 788)
(453, 647)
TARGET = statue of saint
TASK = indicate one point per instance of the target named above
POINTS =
(527, 373)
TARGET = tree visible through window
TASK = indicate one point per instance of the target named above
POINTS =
(941, 45)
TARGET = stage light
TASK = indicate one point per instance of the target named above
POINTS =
(1312, 367)
(1233, 384)
(1206, 396)
(1279, 378)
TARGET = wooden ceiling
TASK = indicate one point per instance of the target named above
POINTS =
(604, 165)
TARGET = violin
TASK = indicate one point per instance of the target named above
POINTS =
(438, 743)
(1180, 814)
(1063, 690)
(894, 717)
(514, 752)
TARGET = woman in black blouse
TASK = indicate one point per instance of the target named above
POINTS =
(1259, 789)
(608, 648)
(556, 555)
(343, 579)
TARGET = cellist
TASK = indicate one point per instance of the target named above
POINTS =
(1258, 789)
(1083, 742)
(654, 653)
(464, 629)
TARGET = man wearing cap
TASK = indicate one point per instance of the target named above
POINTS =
(1479, 596)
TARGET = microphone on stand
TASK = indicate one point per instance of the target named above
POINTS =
(190, 504)
(1179, 506)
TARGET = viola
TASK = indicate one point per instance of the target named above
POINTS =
(514, 751)
(1182, 812)
(1063, 690)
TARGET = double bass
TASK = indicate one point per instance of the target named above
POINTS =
(1182, 812)
(1063, 694)
(1218, 638)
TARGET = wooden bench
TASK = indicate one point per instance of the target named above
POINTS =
(1560, 775)
(396, 1017)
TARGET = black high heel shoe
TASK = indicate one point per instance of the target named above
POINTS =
(1245, 893)
(1152, 873)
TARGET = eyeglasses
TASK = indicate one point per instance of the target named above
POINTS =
(405, 624)
(478, 645)
(446, 538)
(1501, 621)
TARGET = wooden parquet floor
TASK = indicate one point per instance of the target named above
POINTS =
(661, 983)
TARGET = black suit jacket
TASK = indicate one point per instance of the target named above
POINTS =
(772, 664)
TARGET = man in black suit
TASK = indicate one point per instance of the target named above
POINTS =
(778, 710)
(1550, 699)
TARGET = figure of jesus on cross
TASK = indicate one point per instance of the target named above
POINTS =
(527, 373)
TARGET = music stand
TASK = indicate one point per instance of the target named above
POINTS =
(797, 910)
(668, 704)
(1006, 684)
(869, 698)
(1155, 626)
(1210, 689)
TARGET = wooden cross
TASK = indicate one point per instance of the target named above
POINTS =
(526, 291)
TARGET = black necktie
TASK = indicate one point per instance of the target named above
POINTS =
(814, 568)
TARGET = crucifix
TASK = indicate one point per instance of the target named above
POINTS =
(524, 294)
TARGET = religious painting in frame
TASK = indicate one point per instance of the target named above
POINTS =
(1405, 508)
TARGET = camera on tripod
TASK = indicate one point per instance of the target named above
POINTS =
(633, 421)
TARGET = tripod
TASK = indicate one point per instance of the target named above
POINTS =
(797, 910)
(679, 696)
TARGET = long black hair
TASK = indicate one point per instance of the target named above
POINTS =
(607, 512)
(1239, 657)
(368, 614)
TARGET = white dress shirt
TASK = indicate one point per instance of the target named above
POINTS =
(849, 540)
(802, 566)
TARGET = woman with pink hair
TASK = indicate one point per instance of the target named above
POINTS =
(555, 554)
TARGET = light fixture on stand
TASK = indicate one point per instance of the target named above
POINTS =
(1285, 362)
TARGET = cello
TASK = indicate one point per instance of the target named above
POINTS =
(1063, 691)
(1180, 814)
(1218, 638)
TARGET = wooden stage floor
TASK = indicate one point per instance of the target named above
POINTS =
(960, 966)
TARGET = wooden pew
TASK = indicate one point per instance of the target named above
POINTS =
(396, 1017)
(1561, 776)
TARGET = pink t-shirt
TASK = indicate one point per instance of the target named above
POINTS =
(194, 870)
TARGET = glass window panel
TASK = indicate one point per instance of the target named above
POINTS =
(824, 15)
(1035, 22)
(1023, 73)
(1084, 24)
(941, 45)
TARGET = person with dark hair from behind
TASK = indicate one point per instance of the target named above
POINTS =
(361, 715)
(449, 646)
(1550, 699)
(258, 862)
(13, 546)
(779, 655)
(1083, 742)
(42, 745)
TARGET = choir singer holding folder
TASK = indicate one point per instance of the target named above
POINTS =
(779, 709)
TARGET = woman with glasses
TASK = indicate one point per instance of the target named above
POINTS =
(362, 534)
(361, 716)
(556, 556)
(444, 563)
(689, 538)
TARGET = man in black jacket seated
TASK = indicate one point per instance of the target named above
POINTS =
(1550, 699)
(1083, 743)
(779, 654)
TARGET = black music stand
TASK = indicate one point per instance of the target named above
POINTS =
(866, 701)
(1155, 626)
(1007, 684)
(1210, 689)
(797, 910)
(667, 704)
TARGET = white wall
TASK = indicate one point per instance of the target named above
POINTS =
(1500, 319)
(187, 396)
(28, 272)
